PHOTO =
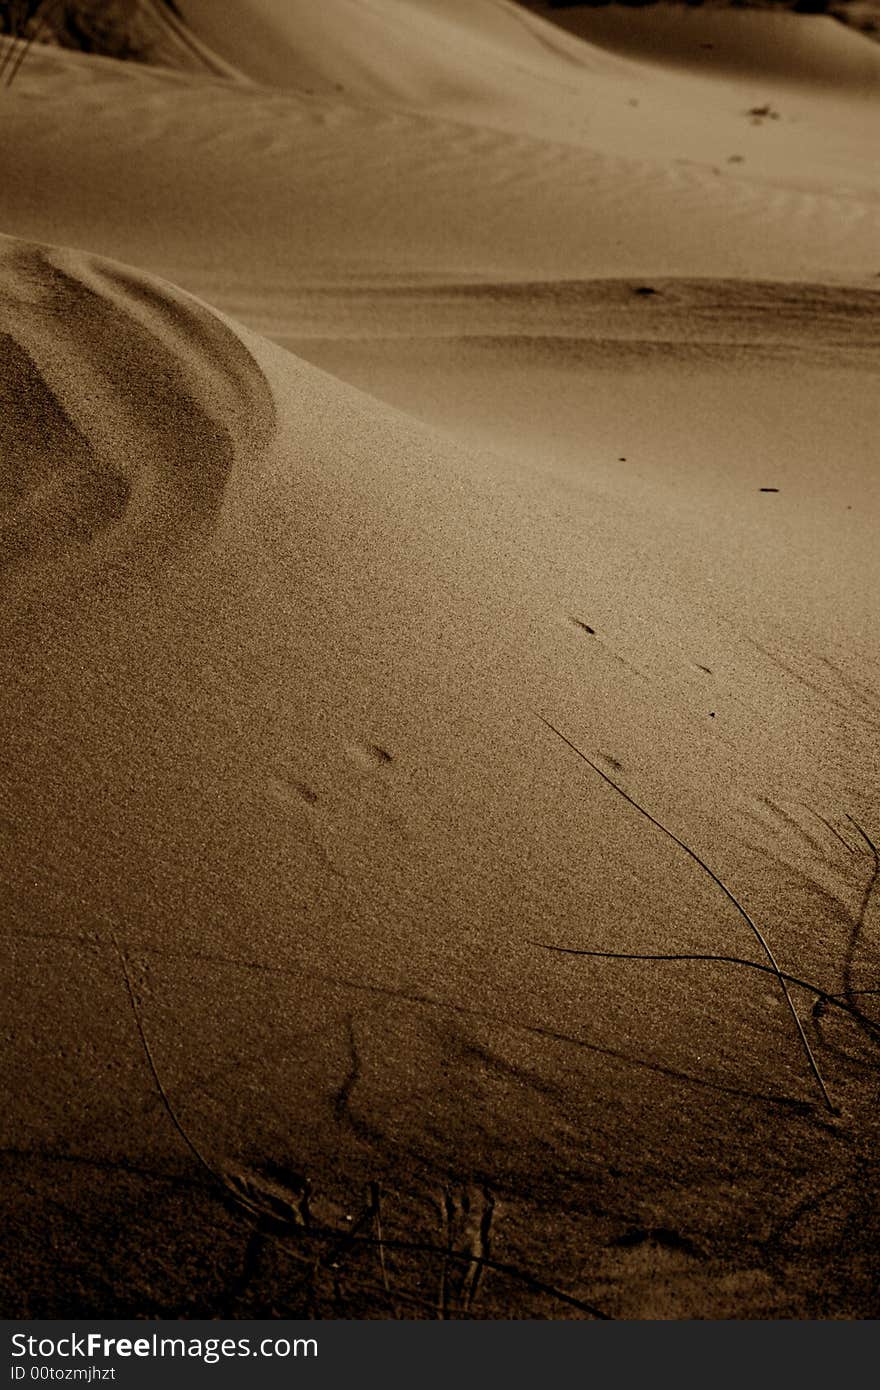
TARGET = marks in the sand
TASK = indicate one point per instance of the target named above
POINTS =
(358, 1248)
(590, 631)
(274, 1195)
(704, 670)
(342, 1098)
(760, 114)
(660, 1237)
(467, 1215)
(345, 1112)
(294, 789)
(650, 1271)
(803, 826)
(305, 792)
(768, 489)
(124, 405)
(645, 291)
(370, 755)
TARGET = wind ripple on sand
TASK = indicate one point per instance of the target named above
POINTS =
(123, 407)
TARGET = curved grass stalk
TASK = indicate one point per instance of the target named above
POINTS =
(728, 893)
(36, 17)
(154, 1071)
(839, 1001)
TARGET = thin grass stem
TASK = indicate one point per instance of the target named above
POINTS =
(731, 897)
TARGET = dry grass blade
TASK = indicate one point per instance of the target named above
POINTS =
(376, 1204)
(837, 1001)
(163, 1094)
(25, 22)
(731, 897)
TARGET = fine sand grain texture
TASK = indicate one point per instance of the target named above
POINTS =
(441, 682)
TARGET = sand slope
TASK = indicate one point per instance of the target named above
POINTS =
(288, 835)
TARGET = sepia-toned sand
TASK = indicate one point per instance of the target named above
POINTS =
(441, 683)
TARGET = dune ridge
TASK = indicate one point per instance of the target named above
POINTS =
(794, 48)
(179, 395)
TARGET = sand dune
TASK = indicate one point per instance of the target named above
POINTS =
(781, 46)
(290, 188)
(443, 56)
(534, 613)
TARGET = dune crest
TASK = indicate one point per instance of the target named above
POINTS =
(812, 49)
(124, 405)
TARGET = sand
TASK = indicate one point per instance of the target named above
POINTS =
(440, 529)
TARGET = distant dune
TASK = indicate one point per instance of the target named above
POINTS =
(861, 15)
(440, 670)
(787, 41)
